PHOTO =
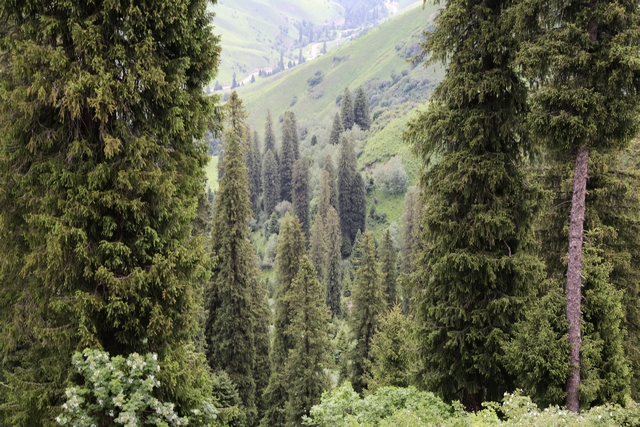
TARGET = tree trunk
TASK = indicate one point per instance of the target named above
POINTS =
(574, 270)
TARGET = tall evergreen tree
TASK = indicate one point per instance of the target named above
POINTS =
(332, 269)
(270, 183)
(100, 178)
(358, 204)
(307, 362)
(346, 110)
(234, 302)
(476, 276)
(368, 306)
(301, 194)
(254, 164)
(346, 174)
(388, 260)
(585, 56)
(336, 130)
(332, 183)
(361, 115)
(391, 351)
(289, 155)
(290, 251)
(269, 136)
(318, 245)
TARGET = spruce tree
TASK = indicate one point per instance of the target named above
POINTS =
(346, 110)
(314, 141)
(361, 115)
(476, 275)
(234, 303)
(289, 155)
(346, 177)
(269, 136)
(336, 130)
(290, 250)
(270, 183)
(318, 245)
(332, 184)
(388, 260)
(301, 194)
(358, 204)
(100, 178)
(309, 358)
(391, 351)
(254, 164)
(332, 270)
(585, 57)
(368, 306)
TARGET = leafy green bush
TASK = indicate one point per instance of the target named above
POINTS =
(119, 391)
(408, 407)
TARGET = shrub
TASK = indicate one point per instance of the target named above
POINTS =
(391, 178)
(315, 79)
(120, 391)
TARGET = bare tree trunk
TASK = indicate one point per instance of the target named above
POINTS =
(574, 270)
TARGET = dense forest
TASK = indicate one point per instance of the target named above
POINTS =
(133, 293)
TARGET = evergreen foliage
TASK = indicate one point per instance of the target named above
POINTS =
(301, 194)
(269, 136)
(351, 194)
(336, 130)
(346, 110)
(331, 185)
(291, 249)
(254, 163)
(476, 276)
(308, 359)
(289, 155)
(388, 262)
(391, 351)
(332, 269)
(368, 306)
(234, 303)
(270, 183)
(587, 99)
(361, 115)
(314, 141)
(100, 179)
(318, 245)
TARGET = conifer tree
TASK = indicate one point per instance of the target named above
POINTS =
(391, 351)
(234, 304)
(600, 76)
(255, 172)
(346, 177)
(262, 371)
(318, 245)
(476, 277)
(100, 179)
(269, 136)
(358, 204)
(368, 306)
(301, 194)
(336, 130)
(290, 250)
(289, 155)
(270, 183)
(307, 361)
(332, 270)
(388, 261)
(346, 110)
(332, 184)
(361, 115)
(314, 141)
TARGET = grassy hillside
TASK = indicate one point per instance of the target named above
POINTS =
(251, 29)
(376, 56)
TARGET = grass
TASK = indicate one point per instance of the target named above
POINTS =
(371, 56)
(249, 29)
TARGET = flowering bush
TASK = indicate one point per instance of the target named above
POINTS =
(119, 391)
